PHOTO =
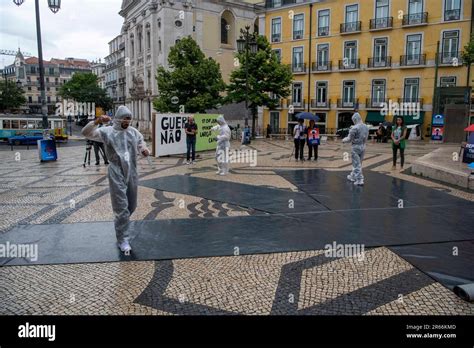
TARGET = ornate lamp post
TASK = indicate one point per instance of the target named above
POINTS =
(246, 44)
(54, 6)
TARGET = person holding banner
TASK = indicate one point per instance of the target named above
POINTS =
(312, 133)
(191, 129)
(223, 146)
(123, 144)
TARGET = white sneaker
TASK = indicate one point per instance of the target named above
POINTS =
(223, 173)
(124, 246)
(351, 178)
(187, 162)
(359, 183)
(218, 172)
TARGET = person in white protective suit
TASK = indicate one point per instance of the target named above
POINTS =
(123, 144)
(223, 146)
(358, 135)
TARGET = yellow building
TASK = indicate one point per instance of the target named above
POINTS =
(352, 53)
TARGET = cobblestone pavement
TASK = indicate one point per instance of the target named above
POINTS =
(281, 283)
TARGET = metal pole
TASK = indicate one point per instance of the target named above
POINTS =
(44, 109)
(246, 78)
(435, 95)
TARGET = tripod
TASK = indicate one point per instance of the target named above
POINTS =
(87, 157)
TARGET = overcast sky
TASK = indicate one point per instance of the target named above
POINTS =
(81, 29)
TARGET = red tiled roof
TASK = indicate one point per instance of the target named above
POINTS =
(68, 63)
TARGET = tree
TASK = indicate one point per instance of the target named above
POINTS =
(11, 96)
(468, 58)
(193, 81)
(84, 88)
(268, 79)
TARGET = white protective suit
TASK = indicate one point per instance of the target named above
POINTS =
(122, 147)
(358, 136)
(223, 146)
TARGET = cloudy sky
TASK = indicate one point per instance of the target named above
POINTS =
(81, 29)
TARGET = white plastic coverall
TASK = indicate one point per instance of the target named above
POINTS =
(358, 136)
(223, 145)
(122, 147)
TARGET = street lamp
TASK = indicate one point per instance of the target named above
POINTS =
(54, 6)
(246, 44)
(18, 83)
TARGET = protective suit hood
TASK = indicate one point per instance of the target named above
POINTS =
(221, 120)
(121, 113)
(356, 119)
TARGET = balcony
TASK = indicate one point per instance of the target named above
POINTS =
(349, 64)
(347, 103)
(297, 105)
(322, 66)
(380, 63)
(415, 19)
(381, 23)
(276, 37)
(452, 15)
(412, 60)
(411, 102)
(323, 31)
(352, 27)
(376, 103)
(315, 104)
(297, 34)
(299, 68)
(122, 46)
(111, 83)
(450, 59)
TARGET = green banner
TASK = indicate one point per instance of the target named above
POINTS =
(205, 137)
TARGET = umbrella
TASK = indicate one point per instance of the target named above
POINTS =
(470, 128)
(307, 116)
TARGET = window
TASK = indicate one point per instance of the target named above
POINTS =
(452, 10)
(378, 93)
(323, 23)
(350, 54)
(159, 46)
(276, 3)
(413, 49)
(348, 94)
(380, 52)
(276, 29)
(178, 23)
(47, 80)
(148, 40)
(415, 12)
(278, 54)
(448, 81)
(323, 57)
(381, 9)
(132, 48)
(297, 94)
(352, 17)
(29, 88)
(450, 46)
(140, 47)
(30, 99)
(321, 93)
(298, 26)
(411, 90)
(6, 124)
(51, 71)
(298, 65)
(224, 32)
(159, 23)
(33, 70)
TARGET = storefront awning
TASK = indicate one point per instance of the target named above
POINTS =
(374, 117)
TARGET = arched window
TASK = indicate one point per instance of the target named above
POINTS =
(224, 32)
(227, 28)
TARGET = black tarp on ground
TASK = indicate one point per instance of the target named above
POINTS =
(450, 263)
(250, 196)
(366, 215)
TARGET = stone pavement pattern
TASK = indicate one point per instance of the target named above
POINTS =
(281, 283)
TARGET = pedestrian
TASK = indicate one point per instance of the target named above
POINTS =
(269, 130)
(399, 135)
(380, 133)
(223, 146)
(191, 134)
(313, 142)
(123, 144)
(299, 139)
(358, 135)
